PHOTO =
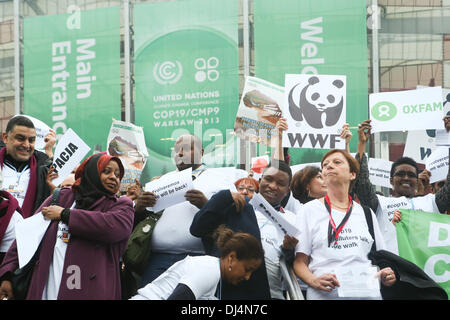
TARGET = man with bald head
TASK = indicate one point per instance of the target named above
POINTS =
(171, 239)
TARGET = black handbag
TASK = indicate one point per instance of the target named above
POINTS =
(21, 277)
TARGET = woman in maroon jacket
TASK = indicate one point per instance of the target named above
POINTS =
(80, 252)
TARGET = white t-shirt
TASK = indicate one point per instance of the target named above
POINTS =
(56, 269)
(293, 204)
(385, 212)
(272, 240)
(10, 233)
(16, 183)
(171, 233)
(200, 273)
(354, 242)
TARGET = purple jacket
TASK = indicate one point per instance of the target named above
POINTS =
(98, 238)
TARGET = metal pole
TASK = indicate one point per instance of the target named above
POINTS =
(127, 61)
(17, 60)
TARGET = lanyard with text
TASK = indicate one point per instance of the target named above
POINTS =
(333, 232)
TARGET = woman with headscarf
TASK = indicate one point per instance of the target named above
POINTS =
(80, 252)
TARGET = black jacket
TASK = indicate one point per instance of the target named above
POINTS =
(43, 163)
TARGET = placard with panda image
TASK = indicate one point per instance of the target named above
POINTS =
(315, 109)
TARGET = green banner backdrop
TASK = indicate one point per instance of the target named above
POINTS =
(424, 239)
(187, 78)
(314, 37)
(72, 72)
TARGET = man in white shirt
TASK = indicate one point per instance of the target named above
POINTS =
(404, 180)
(171, 239)
(24, 168)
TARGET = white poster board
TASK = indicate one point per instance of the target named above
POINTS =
(419, 109)
(315, 110)
(437, 164)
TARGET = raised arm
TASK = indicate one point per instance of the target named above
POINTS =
(364, 189)
(277, 141)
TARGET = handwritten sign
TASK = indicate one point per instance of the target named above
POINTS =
(170, 189)
(69, 152)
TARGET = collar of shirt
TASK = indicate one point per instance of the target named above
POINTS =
(198, 171)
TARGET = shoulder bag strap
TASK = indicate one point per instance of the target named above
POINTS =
(55, 197)
(368, 215)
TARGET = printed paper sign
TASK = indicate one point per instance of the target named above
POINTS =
(282, 224)
(127, 142)
(315, 109)
(69, 152)
(420, 144)
(442, 138)
(301, 166)
(437, 164)
(420, 109)
(259, 110)
(29, 233)
(224, 179)
(170, 189)
(358, 282)
(380, 172)
(42, 130)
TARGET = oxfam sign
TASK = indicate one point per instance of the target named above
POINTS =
(384, 111)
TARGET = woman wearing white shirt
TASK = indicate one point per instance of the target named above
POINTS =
(199, 277)
(334, 234)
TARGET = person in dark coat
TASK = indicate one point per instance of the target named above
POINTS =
(24, 168)
(80, 252)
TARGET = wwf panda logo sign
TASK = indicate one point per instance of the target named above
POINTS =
(315, 110)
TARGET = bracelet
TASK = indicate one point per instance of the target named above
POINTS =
(65, 214)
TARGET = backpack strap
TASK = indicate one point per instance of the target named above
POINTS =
(369, 221)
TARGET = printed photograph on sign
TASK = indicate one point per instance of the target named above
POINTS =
(315, 109)
(127, 142)
(259, 111)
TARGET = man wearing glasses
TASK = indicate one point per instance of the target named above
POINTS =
(404, 180)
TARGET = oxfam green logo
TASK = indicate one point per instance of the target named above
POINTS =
(384, 111)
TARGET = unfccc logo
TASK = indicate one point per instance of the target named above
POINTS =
(206, 69)
(384, 111)
(167, 72)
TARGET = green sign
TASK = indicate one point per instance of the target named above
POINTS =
(187, 78)
(72, 72)
(314, 37)
(424, 239)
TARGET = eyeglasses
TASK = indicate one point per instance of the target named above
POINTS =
(249, 189)
(405, 173)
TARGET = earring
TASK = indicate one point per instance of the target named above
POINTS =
(229, 268)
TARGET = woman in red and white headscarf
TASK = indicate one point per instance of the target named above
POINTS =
(80, 252)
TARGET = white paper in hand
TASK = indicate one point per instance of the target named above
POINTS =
(170, 189)
(68, 154)
(29, 233)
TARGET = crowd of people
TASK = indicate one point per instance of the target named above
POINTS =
(216, 244)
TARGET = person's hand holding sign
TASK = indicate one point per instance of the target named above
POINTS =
(364, 131)
(196, 198)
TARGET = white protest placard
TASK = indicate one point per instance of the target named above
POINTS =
(358, 282)
(170, 189)
(301, 166)
(419, 109)
(42, 130)
(281, 223)
(127, 142)
(315, 110)
(380, 172)
(420, 144)
(259, 110)
(29, 233)
(442, 138)
(437, 164)
(69, 152)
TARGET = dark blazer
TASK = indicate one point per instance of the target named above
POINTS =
(220, 209)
